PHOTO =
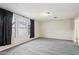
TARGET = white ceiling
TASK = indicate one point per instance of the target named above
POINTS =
(36, 10)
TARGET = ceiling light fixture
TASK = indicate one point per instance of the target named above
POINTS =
(47, 13)
(55, 17)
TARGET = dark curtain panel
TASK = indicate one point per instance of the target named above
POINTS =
(32, 33)
(1, 26)
(5, 27)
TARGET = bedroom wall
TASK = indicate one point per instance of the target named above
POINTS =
(59, 29)
(37, 29)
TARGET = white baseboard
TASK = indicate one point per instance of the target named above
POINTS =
(56, 38)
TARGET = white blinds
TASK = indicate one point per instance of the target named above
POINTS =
(20, 27)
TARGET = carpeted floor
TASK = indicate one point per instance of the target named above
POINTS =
(44, 47)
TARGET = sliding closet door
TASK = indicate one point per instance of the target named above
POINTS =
(32, 33)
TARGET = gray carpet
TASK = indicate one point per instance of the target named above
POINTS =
(44, 47)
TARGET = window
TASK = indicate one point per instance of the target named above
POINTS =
(20, 27)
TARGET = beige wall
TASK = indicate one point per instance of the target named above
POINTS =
(37, 29)
(60, 29)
